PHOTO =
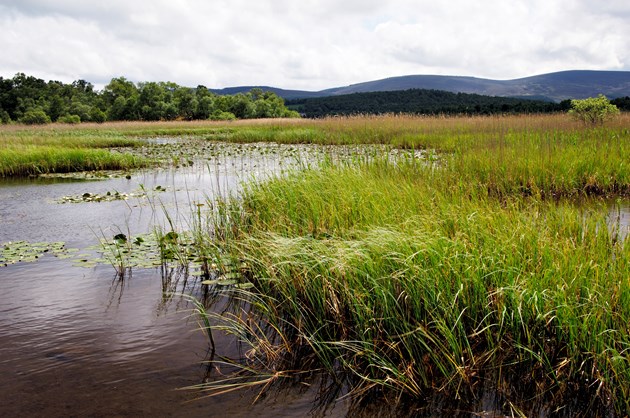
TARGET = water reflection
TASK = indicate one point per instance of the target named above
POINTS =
(618, 220)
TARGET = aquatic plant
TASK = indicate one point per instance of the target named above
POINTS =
(110, 196)
(27, 252)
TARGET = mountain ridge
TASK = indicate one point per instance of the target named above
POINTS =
(556, 86)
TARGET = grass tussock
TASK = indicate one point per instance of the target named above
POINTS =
(493, 263)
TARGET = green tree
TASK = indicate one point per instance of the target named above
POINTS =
(71, 119)
(4, 117)
(594, 110)
(153, 101)
(97, 115)
(185, 102)
(121, 98)
(35, 116)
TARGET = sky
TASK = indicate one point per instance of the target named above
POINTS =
(308, 44)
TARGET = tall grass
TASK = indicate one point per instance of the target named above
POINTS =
(44, 150)
(415, 276)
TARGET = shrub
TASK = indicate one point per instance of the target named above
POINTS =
(35, 117)
(97, 115)
(291, 114)
(4, 117)
(221, 115)
(72, 119)
(594, 110)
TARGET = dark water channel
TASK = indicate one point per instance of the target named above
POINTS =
(77, 341)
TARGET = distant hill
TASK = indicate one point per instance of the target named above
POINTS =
(556, 87)
(285, 94)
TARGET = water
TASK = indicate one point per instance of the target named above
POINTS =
(80, 342)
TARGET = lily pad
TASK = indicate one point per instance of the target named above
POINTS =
(246, 285)
(27, 252)
(109, 196)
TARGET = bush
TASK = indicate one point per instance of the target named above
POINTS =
(594, 110)
(72, 119)
(291, 114)
(4, 117)
(221, 115)
(34, 117)
(97, 115)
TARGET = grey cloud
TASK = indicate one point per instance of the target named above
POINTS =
(309, 44)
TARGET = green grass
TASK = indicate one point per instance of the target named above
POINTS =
(493, 263)
(32, 151)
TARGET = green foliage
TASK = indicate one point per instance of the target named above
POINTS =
(34, 117)
(622, 103)
(97, 115)
(594, 110)
(222, 115)
(4, 117)
(122, 99)
(291, 114)
(71, 119)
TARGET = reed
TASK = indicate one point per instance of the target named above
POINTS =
(492, 263)
(35, 151)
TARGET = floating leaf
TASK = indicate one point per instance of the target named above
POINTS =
(246, 285)
(120, 238)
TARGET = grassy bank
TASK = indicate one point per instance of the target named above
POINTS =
(532, 153)
(31, 151)
(494, 263)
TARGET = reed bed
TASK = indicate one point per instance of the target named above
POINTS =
(494, 262)
(32, 151)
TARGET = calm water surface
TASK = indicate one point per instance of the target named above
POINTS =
(79, 342)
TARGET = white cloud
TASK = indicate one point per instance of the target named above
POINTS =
(311, 44)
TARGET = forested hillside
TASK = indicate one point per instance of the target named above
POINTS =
(28, 99)
(420, 102)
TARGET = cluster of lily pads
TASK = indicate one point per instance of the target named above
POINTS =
(108, 196)
(156, 249)
(190, 150)
(28, 252)
(141, 251)
(88, 175)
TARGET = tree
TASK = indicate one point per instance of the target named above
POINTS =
(622, 103)
(121, 97)
(594, 110)
(4, 117)
(185, 102)
(152, 100)
(35, 116)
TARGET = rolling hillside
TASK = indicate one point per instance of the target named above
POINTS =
(552, 87)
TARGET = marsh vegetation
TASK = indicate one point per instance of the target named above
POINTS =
(456, 256)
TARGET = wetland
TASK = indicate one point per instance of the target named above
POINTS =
(401, 266)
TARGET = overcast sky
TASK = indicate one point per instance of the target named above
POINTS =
(308, 44)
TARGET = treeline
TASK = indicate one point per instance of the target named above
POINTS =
(30, 100)
(420, 101)
(622, 103)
